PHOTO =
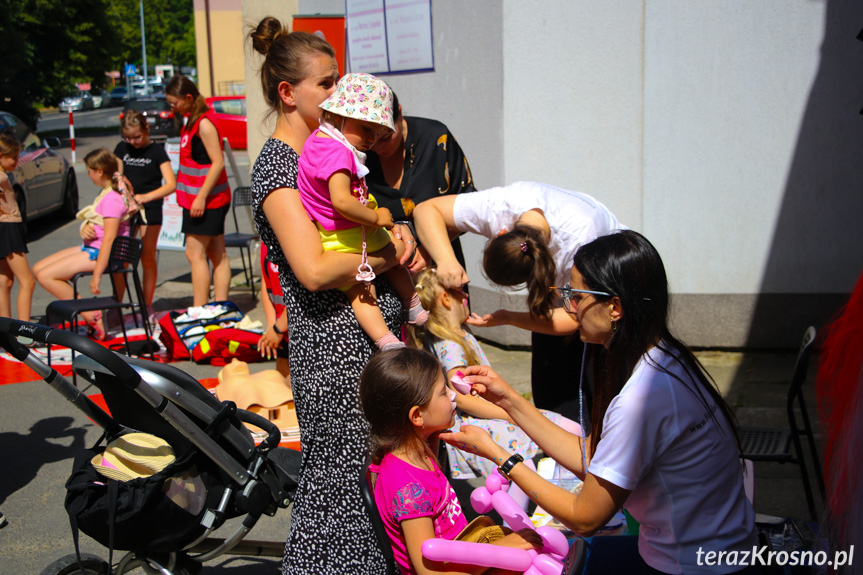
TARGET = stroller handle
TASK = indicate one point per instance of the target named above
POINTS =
(10, 329)
(274, 434)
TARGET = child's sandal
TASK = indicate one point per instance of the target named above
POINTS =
(95, 328)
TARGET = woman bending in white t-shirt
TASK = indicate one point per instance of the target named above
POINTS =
(662, 440)
(534, 230)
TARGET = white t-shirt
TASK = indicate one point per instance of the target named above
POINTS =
(681, 462)
(574, 218)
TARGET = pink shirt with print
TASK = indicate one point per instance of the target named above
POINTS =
(404, 491)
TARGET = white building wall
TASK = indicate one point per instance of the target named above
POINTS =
(727, 132)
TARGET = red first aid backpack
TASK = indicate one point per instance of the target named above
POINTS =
(181, 337)
(220, 346)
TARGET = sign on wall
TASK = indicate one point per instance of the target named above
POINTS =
(330, 28)
(389, 35)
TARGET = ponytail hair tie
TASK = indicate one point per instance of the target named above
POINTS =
(523, 247)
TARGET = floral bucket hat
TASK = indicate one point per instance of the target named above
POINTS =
(362, 97)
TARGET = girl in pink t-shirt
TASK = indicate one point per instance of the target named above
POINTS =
(407, 403)
(111, 219)
(332, 186)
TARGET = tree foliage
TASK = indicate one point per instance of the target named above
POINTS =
(169, 28)
(47, 46)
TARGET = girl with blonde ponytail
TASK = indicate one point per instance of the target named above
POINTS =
(446, 335)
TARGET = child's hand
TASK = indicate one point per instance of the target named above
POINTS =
(269, 343)
(522, 539)
(88, 232)
(198, 207)
(384, 219)
(95, 282)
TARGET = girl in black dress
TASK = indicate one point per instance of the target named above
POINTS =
(146, 165)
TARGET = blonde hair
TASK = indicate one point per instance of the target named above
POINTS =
(428, 288)
(102, 159)
(131, 119)
(9, 146)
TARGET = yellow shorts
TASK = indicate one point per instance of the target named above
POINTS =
(351, 241)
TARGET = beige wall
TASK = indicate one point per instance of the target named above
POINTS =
(226, 31)
(260, 124)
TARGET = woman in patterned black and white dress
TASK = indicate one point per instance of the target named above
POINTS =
(330, 531)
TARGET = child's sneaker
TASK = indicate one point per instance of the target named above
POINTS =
(389, 341)
(416, 314)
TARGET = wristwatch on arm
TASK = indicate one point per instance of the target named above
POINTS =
(507, 466)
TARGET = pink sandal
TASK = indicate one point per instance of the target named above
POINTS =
(95, 328)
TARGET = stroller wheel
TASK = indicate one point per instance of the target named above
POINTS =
(68, 565)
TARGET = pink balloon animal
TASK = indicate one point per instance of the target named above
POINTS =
(494, 495)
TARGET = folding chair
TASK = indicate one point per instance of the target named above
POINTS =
(367, 491)
(125, 255)
(243, 241)
(774, 444)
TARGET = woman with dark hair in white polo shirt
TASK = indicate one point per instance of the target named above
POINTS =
(663, 442)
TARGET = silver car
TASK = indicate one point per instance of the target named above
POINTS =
(77, 101)
(101, 98)
(44, 182)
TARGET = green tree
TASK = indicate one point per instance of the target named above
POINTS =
(46, 46)
(53, 45)
(170, 32)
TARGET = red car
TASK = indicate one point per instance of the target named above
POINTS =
(230, 112)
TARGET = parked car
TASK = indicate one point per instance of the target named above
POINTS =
(157, 86)
(101, 98)
(77, 100)
(140, 89)
(119, 96)
(230, 112)
(160, 117)
(43, 181)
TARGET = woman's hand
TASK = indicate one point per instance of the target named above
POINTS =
(488, 384)
(88, 232)
(269, 343)
(198, 206)
(141, 199)
(451, 275)
(403, 232)
(473, 439)
(488, 320)
(421, 261)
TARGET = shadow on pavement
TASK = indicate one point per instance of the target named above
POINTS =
(24, 454)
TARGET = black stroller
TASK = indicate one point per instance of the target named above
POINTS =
(216, 460)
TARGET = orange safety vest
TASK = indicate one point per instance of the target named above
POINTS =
(192, 174)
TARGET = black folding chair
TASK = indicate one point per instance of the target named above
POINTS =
(774, 444)
(125, 255)
(367, 491)
(243, 241)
